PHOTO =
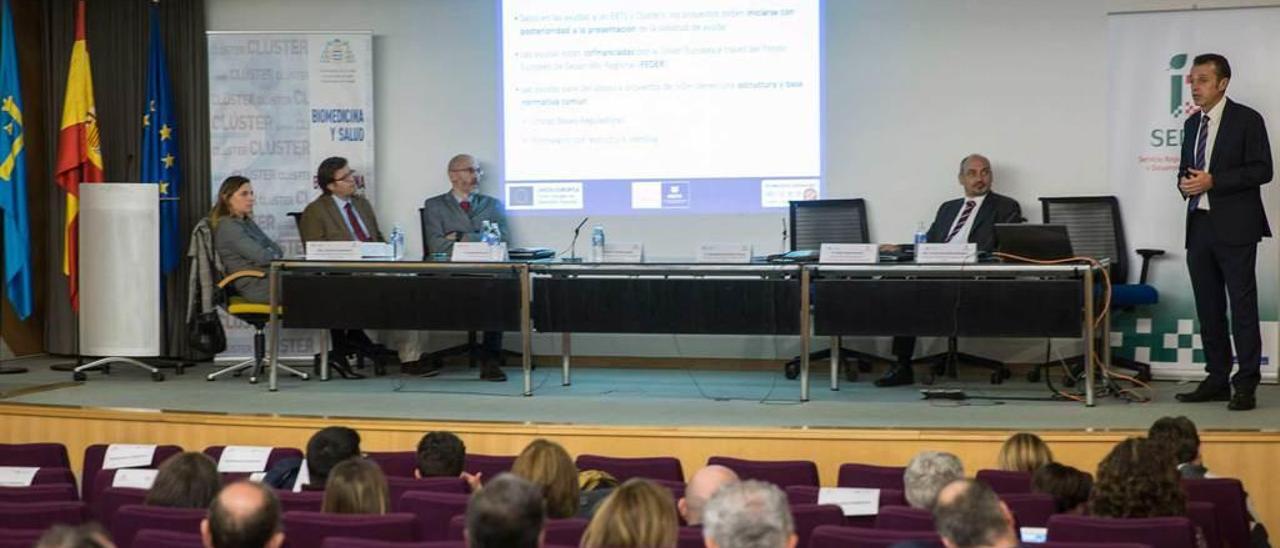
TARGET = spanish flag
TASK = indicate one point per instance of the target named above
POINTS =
(79, 158)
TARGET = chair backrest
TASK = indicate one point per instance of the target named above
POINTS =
(817, 222)
(1094, 227)
(348, 542)
(53, 492)
(676, 487)
(395, 463)
(433, 510)
(277, 454)
(297, 224)
(133, 518)
(1052, 544)
(782, 473)
(1228, 499)
(830, 536)
(111, 500)
(40, 455)
(156, 538)
(566, 531)
(489, 465)
(47, 476)
(422, 228)
(807, 494)
(93, 456)
(41, 515)
(690, 536)
(1030, 509)
(663, 468)
(871, 476)
(807, 517)
(1202, 515)
(1170, 532)
(19, 538)
(904, 518)
(1003, 481)
(302, 501)
(306, 529)
(397, 486)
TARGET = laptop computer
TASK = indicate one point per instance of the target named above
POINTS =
(1040, 242)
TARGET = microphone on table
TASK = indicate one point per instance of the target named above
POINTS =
(573, 244)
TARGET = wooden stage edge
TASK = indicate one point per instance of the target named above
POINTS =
(1248, 455)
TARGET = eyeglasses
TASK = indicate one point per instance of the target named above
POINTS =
(475, 170)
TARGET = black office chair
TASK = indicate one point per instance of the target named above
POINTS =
(1095, 228)
(817, 222)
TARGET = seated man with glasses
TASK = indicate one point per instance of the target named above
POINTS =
(340, 214)
(458, 216)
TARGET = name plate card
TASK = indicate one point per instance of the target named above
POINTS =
(17, 476)
(849, 254)
(947, 253)
(381, 250)
(478, 252)
(121, 455)
(852, 501)
(623, 253)
(333, 251)
(724, 253)
(243, 458)
(136, 478)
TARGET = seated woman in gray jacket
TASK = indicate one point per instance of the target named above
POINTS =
(240, 243)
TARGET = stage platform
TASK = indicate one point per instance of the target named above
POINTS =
(690, 413)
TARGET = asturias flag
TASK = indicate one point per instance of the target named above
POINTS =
(79, 157)
(13, 174)
(160, 146)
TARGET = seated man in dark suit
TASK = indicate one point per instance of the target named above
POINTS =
(972, 219)
(342, 215)
(458, 216)
(325, 449)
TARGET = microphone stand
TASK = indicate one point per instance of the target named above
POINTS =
(573, 244)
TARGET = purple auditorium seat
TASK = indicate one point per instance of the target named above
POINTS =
(135, 517)
(1228, 499)
(489, 465)
(157, 538)
(1002, 481)
(304, 501)
(903, 518)
(52, 492)
(19, 538)
(807, 517)
(1030, 509)
(111, 500)
(654, 468)
(348, 542)
(277, 454)
(433, 510)
(1203, 516)
(104, 481)
(804, 494)
(676, 487)
(457, 528)
(1052, 544)
(40, 455)
(307, 529)
(41, 515)
(830, 536)
(782, 473)
(690, 536)
(871, 476)
(397, 486)
(47, 476)
(1171, 532)
(93, 456)
(567, 532)
(400, 464)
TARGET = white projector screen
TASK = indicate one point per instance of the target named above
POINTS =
(621, 107)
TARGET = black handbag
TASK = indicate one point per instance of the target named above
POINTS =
(205, 333)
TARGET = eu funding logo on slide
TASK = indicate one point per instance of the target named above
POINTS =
(337, 51)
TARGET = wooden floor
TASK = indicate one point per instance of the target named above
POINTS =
(1248, 455)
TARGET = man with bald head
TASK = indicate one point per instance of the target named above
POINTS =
(968, 514)
(243, 515)
(701, 487)
(459, 216)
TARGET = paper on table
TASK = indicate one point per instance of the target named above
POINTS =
(137, 478)
(124, 455)
(853, 501)
(1033, 535)
(333, 251)
(849, 254)
(17, 476)
(243, 458)
(257, 477)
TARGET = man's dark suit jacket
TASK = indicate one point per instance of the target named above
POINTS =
(1240, 164)
(996, 208)
(323, 222)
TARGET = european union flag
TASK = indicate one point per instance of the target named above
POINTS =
(13, 174)
(160, 146)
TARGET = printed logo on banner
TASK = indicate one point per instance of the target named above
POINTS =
(337, 51)
(1179, 86)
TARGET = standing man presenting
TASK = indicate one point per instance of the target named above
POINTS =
(1226, 157)
(458, 216)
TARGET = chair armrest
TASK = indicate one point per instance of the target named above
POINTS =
(242, 274)
(1147, 254)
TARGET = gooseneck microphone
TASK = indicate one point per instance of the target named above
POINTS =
(573, 244)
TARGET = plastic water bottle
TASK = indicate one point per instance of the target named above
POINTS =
(597, 244)
(921, 235)
(397, 243)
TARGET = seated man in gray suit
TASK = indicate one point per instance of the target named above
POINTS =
(458, 216)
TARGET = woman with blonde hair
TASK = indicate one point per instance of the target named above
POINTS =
(546, 464)
(356, 486)
(1024, 452)
(638, 514)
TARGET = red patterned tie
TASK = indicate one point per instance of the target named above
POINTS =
(355, 224)
(466, 206)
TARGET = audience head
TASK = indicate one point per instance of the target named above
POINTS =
(327, 448)
(507, 513)
(748, 514)
(926, 474)
(464, 174)
(1138, 479)
(356, 486)
(638, 514)
(1068, 486)
(701, 487)
(441, 454)
(1024, 452)
(975, 175)
(968, 514)
(82, 536)
(334, 176)
(243, 515)
(1179, 436)
(235, 199)
(185, 480)
(548, 465)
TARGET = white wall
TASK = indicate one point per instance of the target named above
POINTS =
(911, 87)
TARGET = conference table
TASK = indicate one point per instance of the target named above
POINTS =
(803, 300)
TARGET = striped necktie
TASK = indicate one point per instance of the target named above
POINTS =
(1202, 142)
(964, 217)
